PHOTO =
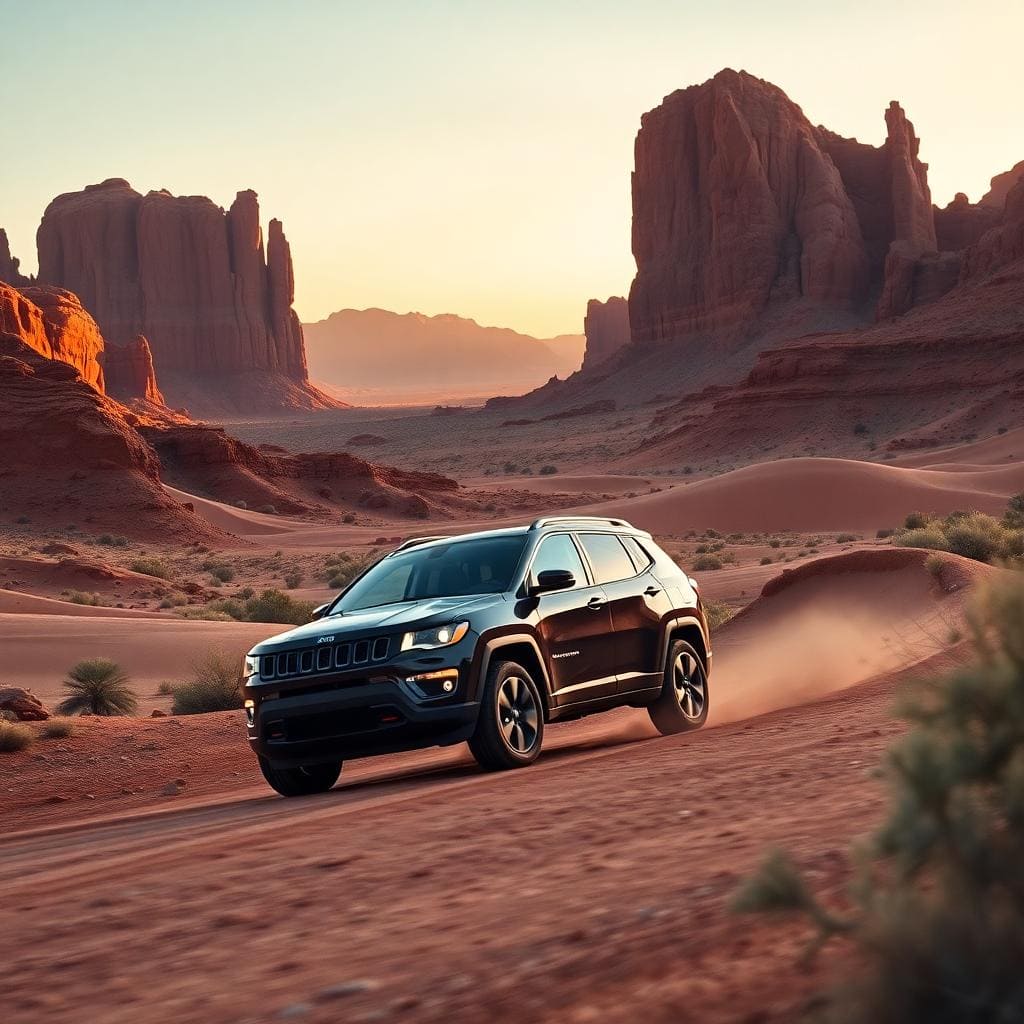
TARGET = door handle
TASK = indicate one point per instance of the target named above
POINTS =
(595, 604)
(652, 591)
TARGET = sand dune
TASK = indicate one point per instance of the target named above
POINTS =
(242, 522)
(837, 622)
(816, 494)
(569, 483)
(14, 602)
(999, 448)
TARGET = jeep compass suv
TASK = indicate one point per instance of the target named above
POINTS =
(482, 638)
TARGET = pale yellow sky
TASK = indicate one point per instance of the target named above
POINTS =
(466, 157)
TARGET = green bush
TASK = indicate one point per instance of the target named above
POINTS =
(80, 597)
(930, 536)
(204, 613)
(57, 729)
(916, 520)
(1014, 517)
(216, 685)
(936, 911)
(15, 736)
(970, 534)
(718, 613)
(275, 606)
(223, 573)
(293, 579)
(846, 538)
(99, 686)
(150, 567)
(706, 563)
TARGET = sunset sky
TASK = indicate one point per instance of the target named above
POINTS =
(464, 156)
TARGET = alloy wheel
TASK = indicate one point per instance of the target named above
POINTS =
(517, 714)
(690, 686)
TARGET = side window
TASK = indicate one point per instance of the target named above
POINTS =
(607, 556)
(559, 552)
(641, 559)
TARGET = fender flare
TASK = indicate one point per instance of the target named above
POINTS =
(493, 645)
(678, 622)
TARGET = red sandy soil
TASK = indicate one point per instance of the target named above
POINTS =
(591, 887)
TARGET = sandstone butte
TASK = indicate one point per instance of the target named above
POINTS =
(606, 326)
(195, 281)
(747, 217)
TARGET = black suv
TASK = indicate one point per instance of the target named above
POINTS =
(481, 638)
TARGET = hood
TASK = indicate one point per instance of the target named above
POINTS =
(391, 618)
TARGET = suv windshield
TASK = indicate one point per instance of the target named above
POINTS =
(464, 567)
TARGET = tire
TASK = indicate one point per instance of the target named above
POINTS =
(301, 781)
(510, 729)
(682, 705)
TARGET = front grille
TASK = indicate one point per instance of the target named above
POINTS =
(324, 658)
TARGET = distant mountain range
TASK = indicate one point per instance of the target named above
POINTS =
(374, 353)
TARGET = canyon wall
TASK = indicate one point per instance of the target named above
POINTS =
(9, 266)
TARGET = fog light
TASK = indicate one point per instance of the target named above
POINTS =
(250, 713)
(435, 684)
(448, 685)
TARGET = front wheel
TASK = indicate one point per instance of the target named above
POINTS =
(303, 780)
(682, 704)
(510, 729)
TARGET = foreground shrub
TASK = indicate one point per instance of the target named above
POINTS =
(57, 729)
(937, 909)
(216, 685)
(100, 687)
(718, 613)
(705, 563)
(14, 737)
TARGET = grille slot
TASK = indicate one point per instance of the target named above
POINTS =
(324, 658)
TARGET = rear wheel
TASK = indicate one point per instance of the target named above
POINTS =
(510, 729)
(303, 780)
(683, 702)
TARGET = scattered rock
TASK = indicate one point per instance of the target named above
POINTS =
(346, 989)
(172, 789)
(157, 713)
(23, 704)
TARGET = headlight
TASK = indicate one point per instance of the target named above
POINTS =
(250, 666)
(439, 636)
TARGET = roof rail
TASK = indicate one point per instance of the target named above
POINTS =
(414, 541)
(604, 520)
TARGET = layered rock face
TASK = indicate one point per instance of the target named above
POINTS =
(606, 326)
(191, 278)
(52, 322)
(9, 266)
(746, 216)
(70, 454)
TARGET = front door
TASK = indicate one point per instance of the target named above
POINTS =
(576, 626)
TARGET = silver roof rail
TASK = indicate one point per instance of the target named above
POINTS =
(414, 541)
(593, 520)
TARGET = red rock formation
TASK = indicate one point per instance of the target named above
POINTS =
(53, 323)
(961, 223)
(1001, 186)
(70, 454)
(9, 272)
(129, 372)
(191, 279)
(1000, 245)
(606, 326)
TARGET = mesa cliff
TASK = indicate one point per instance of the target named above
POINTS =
(195, 281)
(606, 327)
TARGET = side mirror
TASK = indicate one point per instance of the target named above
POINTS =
(694, 584)
(553, 579)
(320, 612)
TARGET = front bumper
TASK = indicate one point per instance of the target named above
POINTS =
(348, 716)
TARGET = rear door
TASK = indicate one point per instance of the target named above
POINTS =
(576, 626)
(638, 603)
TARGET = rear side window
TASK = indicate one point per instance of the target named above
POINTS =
(607, 557)
(641, 559)
(559, 552)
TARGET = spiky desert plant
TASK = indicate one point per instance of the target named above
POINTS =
(98, 686)
(936, 910)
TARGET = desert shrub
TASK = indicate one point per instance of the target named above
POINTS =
(99, 686)
(930, 536)
(150, 567)
(774, 543)
(293, 578)
(223, 573)
(216, 685)
(110, 541)
(547, 470)
(165, 689)
(230, 606)
(860, 429)
(1014, 517)
(978, 536)
(275, 606)
(14, 736)
(242, 504)
(767, 560)
(270, 510)
(81, 597)
(718, 613)
(846, 538)
(204, 613)
(348, 517)
(706, 563)
(916, 520)
(882, 534)
(245, 593)
(57, 729)
(936, 911)
(935, 563)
